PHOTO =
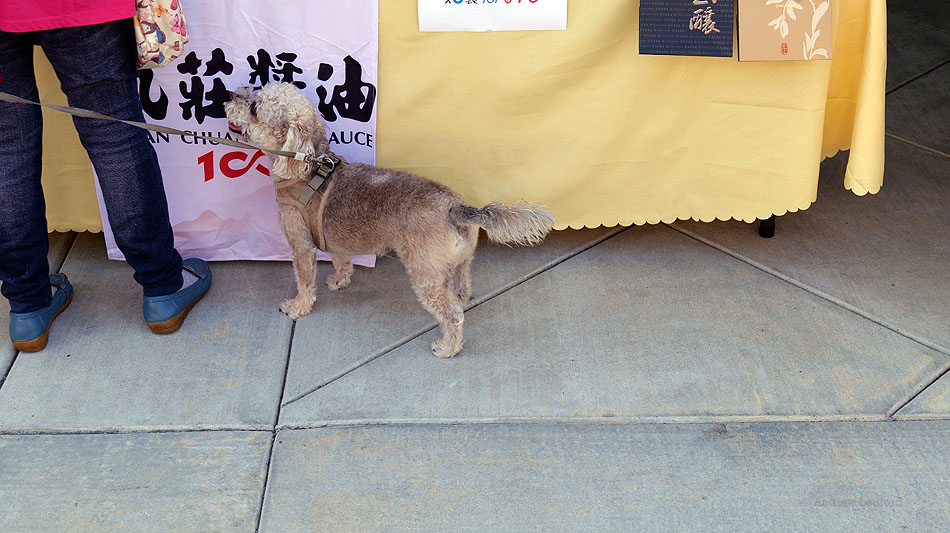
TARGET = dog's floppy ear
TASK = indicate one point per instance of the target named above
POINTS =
(298, 140)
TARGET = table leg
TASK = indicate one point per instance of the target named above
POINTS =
(767, 227)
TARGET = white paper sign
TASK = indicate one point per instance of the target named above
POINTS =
(221, 199)
(492, 15)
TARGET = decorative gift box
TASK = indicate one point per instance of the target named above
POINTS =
(784, 30)
(687, 27)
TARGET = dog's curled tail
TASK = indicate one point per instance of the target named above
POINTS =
(518, 223)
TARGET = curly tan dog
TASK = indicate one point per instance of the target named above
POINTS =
(362, 209)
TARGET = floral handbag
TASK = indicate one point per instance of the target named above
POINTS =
(160, 34)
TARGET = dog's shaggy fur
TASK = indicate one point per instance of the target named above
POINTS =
(372, 210)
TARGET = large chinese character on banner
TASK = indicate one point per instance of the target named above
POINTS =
(221, 199)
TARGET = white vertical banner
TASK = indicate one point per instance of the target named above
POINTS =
(221, 199)
(492, 15)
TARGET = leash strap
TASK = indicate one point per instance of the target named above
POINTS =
(85, 113)
(326, 163)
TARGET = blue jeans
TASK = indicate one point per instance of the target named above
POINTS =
(96, 68)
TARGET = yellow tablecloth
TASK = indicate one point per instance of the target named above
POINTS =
(580, 121)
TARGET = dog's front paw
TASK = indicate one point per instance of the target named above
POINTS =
(441, 349)
(338, 280)
(295, 308)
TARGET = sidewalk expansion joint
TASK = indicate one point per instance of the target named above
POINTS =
(601, 420)
(8, 369)
(273, 429)
(267, 466)
(916, 77)
(72, 244)
(541, 420)
(472, 305)
(132, 430)
(283, 384)
(360, 363)
(815, 291)
(917, 22)
(913, 396)
(917, 145)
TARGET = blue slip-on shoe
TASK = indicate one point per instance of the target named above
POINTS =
(165, 314)
(30, 331)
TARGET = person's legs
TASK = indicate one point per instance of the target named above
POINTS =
(24, 242)
(96, 68)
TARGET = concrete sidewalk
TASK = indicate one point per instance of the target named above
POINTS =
(672, 377)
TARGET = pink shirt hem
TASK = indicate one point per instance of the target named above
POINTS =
(11, 22)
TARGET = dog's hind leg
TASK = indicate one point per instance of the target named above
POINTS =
(461, 279)
(448, 311)
(461, 283)
(343, 269)
(433, 293)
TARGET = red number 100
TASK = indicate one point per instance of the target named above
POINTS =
(224, 165)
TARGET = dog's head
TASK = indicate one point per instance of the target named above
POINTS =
(278, 117)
